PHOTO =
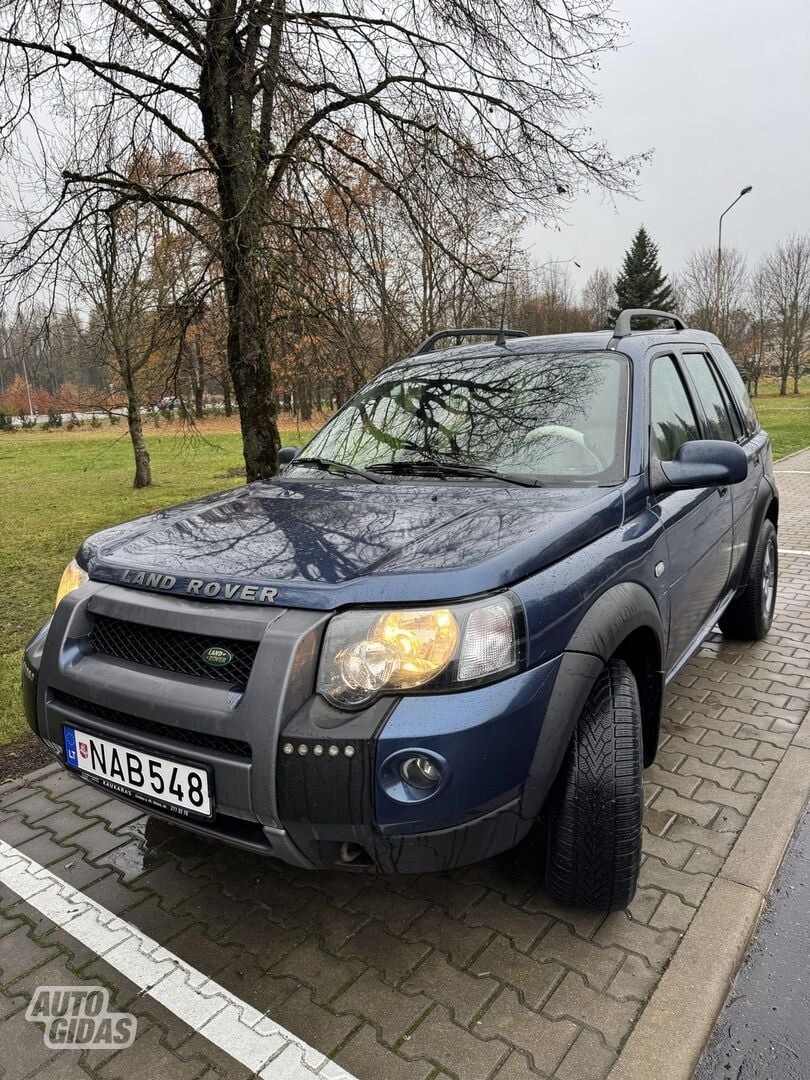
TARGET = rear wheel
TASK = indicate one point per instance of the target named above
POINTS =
(595, 809)
(749, 616)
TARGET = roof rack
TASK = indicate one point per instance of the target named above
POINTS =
(474, 331)
(624, 323)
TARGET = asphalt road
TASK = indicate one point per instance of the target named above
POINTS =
(763, 1030)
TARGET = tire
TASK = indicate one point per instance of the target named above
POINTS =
(595, 809)
(749, 615)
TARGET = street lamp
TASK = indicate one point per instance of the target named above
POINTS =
(744, 191)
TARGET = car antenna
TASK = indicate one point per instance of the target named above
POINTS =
(501, 338)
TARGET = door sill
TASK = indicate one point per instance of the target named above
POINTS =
(700, 636)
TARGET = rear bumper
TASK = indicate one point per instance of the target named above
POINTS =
(310, 808)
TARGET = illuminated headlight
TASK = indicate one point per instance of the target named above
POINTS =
(73, 578)
(367, 653)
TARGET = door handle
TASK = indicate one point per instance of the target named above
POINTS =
(722, 492)
(756, 459)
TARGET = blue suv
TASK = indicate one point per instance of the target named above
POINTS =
(451, 617)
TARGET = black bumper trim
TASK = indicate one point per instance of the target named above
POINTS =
(222, 743)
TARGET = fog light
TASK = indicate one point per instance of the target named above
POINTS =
(420, 772)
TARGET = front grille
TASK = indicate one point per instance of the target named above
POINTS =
(154, 727)
(172, 650)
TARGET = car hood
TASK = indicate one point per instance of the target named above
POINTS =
(333, 541)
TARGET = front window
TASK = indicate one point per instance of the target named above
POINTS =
(556, 417)
(672, 418)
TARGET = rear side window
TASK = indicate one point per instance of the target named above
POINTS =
(672, 418)
(731, 408)
(712, 400)
(737, 386)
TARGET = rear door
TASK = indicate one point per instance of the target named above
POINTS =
(725, 422)
(755, 443)
(697, 523)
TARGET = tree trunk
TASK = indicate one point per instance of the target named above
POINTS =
(227, 102)
(226, 394)
(247, 353)
(198, 363)
(143, 465)
(303, 402)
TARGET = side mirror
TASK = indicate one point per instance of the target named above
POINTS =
(705, 463)
(287, 454)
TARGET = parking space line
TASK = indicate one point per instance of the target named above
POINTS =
(252, 1038)
(792, 551)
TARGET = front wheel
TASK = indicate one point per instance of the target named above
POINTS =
(596, 806)
(749, 615)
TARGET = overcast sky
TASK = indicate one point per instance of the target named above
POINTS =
(720, 89)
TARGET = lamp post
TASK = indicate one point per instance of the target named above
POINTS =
(744, 191)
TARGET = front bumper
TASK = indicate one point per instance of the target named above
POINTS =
(312, 809)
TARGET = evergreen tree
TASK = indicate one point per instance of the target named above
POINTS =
(641, 283)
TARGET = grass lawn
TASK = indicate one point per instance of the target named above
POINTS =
(56, 488)
(787, 421)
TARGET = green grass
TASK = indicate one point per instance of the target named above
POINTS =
(56, 488)
(787, 421)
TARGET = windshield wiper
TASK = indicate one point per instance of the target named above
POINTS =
(442, 469)
(327, 463)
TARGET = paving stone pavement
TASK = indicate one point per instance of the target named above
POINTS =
(472, 974)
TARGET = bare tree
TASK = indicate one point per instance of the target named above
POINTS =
(263, 95)
(754, 350)
(698, 297)
(598, 297)
(132, 319)
(545, 302)
(786, 282)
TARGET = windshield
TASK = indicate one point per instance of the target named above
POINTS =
(560, 417)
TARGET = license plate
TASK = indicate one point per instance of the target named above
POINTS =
(171, 785)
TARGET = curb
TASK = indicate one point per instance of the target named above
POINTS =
(670, 1036)
(792, 454)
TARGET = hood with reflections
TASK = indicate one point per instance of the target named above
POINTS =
(332, 541)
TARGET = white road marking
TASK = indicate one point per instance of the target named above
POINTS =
(792, 551)
(251, 1037)
(793, 472)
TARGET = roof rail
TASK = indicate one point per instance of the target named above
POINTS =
(624, 323)
(473, 331)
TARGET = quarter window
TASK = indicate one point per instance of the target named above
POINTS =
(717, 418)
(735, 382)
(672, 417)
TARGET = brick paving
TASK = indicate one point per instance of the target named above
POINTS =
(472, 974)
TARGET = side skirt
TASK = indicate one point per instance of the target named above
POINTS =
(700, 636)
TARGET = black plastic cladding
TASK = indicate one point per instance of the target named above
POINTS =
(169, 731)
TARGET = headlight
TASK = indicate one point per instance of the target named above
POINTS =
(367, 653)
(73, 578)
